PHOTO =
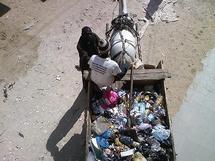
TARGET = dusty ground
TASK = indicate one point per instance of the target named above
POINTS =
(45, 106)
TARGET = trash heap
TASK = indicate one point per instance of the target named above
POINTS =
(124, 131)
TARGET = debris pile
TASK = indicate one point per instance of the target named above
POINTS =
(137, 131)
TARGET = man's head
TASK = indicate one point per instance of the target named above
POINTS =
(86, 31)
(104, 48)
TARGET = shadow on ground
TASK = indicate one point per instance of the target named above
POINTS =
(152, 8)
(3, 9)
(73, 150)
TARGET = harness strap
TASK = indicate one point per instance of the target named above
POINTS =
(115, 56)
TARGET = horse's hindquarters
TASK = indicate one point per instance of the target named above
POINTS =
(123, 42)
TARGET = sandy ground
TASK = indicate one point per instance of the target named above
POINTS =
(43, 116)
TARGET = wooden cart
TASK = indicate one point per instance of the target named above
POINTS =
(138, 78)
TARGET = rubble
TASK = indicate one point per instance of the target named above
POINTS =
(58, 77)
(148, 137)
(10, 86)
(5, 92)
(21, 135)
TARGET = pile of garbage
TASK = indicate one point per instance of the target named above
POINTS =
(130, 128)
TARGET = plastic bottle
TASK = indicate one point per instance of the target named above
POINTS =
(158, 101)
(142, 107)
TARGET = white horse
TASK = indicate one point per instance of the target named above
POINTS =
(123, 37)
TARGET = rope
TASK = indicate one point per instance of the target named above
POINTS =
(123, 46)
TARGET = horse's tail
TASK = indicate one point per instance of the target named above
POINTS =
(123, 58)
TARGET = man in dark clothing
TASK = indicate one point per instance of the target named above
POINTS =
(87, 46)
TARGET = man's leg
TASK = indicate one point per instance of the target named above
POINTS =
(96, 91)
(84, 80)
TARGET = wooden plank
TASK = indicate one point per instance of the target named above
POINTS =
(137, 71)
(148, 74)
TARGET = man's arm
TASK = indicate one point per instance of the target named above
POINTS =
(124, 68)
(97, 38)
(83, 56)
(81, 51)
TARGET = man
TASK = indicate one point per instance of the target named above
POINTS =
(104, 71)
(87, 46)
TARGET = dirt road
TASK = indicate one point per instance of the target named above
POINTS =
(43, 115)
